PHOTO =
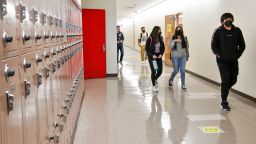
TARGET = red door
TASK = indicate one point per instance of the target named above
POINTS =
(94, 39)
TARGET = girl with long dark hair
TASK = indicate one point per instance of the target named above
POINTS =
(179, 55)
(155, 50)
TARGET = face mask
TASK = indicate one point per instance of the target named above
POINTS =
(143, 31)
(179, 32)
(228, 23)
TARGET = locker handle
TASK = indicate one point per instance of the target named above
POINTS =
(59, 126)
(26, 64)
(39, 79)
(3, 9)
(53, 52)
(62, 116)
(46, 36)
(33, 15)
(43, 18)
(37, 37)
(8, 71)
(66, 108)
(27, 88)
(46, 55)
(53, 67)
(53, 138)
(38, 59)
(58, 35)
(25, 37)
(21, 12)
(6, 38)
(53, 36)
(47, 72)
(10, 100)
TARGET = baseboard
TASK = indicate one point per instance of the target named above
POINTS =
(218, 84)
(77, 120)
(112, 75)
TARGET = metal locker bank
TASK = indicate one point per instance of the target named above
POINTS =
(41, 71)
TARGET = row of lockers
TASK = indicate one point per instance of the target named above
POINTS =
(41, 71)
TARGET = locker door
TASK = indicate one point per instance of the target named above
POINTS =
(28, 87)
(24, 19)
(43, 22)
(1, 83)
(42, 115)
(11, 94)
(56, 93)
(1, 108)
(9, 25)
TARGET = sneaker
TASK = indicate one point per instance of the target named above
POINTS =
(170, 83)
(183, 87)
(155, 89)
(156, 83)
(224, 106)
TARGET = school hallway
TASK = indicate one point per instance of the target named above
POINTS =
(124, 110)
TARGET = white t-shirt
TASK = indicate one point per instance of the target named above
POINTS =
(143, 38)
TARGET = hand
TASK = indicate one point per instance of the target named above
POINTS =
(177, 40)
(160, 56)
(154, 57)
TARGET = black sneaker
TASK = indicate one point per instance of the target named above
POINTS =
(170, 83)
(224, 106)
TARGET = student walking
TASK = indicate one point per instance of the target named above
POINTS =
(179, 55)
(228, 45)
(155, 50)
(120, 46)
(142, 43)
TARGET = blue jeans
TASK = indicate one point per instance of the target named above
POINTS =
(179, 63)
(121, 49)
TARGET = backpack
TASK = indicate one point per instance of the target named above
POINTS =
(141, 37)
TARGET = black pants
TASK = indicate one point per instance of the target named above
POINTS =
(228, 72)
(155, 74)
(121, 49)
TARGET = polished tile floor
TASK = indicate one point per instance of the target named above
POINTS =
(124, 110)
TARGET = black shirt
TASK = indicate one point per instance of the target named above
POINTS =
(120, 38)
(228, 45)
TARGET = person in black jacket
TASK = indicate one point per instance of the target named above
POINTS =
(120, 46)
(228, 45)
(155, 50)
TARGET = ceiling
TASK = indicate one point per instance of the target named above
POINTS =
(128, 8)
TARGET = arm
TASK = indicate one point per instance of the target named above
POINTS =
(241, 44)
(139, 40)
(171, 43)
(187, 48)
(148, 43)
(122, 37)
(215, 44)
(162, 49)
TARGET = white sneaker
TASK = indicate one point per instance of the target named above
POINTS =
(184, 87)
(155, 89)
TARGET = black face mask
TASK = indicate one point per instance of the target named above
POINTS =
(179, 32)
(228, 23)
(143, 31)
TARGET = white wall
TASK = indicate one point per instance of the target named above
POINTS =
(201, 17)
(111, 50)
